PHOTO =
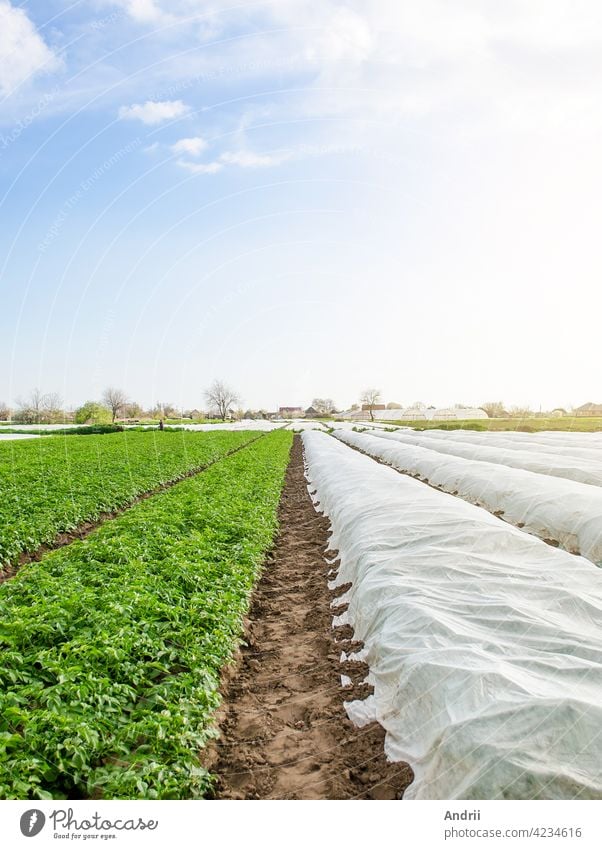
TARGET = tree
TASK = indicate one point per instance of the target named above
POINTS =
(39, 408)
(369, 398)
(220, 398)
(92, 413)
(494, 409)
(393, 405)
(4, 411)
(521, 412)
(52, 407)
(133, 410)
(115, 400)
(323, 406)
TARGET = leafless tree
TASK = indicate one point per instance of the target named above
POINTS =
(39, 408)
(52, 407)
(165, 410)
(115, 400)
(370, 397)
(221, 398)
(133, 410)
(323, 406)
(521, 412)
(494, 409)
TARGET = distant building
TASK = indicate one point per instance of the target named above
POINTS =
(312, 413)
(291, 412)
(589, 410)
(366, 408)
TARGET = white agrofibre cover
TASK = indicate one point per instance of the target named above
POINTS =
(484, 643)
(552, 508)
(591, 450)
(546, 462)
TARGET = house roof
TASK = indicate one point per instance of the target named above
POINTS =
(589, 408)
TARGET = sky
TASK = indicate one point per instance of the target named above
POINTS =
(302, 198)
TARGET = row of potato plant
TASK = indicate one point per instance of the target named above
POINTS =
(51, 485)
(112, 646)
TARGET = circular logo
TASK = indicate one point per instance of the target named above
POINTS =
(32, 822)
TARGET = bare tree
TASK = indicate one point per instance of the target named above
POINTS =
(521, 412)
(30, 411)
(39, 408)
(165, 410)
(220, 398)
(370, 397)
(115, 400)
(52, 407)
(133, 410)
(323, 406)
(494, 409)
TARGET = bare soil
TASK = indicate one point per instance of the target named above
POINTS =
(284, 730)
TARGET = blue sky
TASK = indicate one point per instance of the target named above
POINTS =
(302, 199)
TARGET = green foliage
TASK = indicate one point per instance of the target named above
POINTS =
(52, 485)
(112, 647)
(92, 413)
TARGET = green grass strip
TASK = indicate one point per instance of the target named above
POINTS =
(112, 647)
(52, 485)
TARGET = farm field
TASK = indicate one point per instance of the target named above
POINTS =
(559, 510)
(577, 424)
(555, 460)
(53, 484)
(484, 643)
(420, 615)
(112, 647)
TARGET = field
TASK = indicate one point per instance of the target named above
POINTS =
(375, 614)
(53, 485)
(112, 646)
(578, 424)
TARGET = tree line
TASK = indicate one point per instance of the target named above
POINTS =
(221, 402)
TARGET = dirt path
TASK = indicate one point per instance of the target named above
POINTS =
(285, 733)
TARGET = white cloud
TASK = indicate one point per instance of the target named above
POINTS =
(23, 53)
(248, 159)
(241, 158)
(144, 11)
(192, 146)
(201, 167)
(154, 111)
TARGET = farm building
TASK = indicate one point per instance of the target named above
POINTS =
(589, 410)
(291, 412)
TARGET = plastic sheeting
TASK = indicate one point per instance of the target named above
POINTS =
(565, 511)
(546, 462)
(484, 643)
(591, 450)
(243, 424)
